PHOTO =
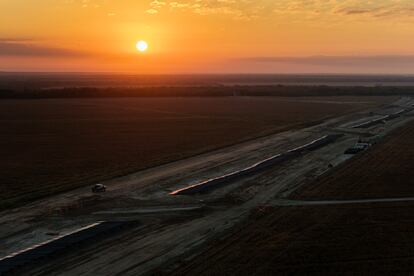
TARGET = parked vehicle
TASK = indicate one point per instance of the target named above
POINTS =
(99, 188)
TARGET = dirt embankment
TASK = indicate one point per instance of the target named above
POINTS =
(50, 146)
(363, 238)
(384, 171)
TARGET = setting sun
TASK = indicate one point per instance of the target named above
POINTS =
(142, 46)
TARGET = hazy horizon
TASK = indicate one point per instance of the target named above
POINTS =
(21, 81)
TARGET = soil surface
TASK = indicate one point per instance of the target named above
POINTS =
(171, 231)
(50, 146)
(355, 219)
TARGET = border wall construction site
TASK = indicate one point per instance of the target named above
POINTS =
(184, 217)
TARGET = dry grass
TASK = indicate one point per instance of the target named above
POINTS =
(49, 146)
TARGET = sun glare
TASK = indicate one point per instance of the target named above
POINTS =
(142, 46)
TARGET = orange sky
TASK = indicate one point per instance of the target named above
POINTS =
(208, 36)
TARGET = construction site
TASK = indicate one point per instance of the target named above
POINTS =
(287, 198)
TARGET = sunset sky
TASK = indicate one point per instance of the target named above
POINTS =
(208, 36)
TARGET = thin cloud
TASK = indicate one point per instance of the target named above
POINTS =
(378, 60)
(26, 48)
(243, 9)
(85, 3)
(249, 9)
(355, 11)
(155, 6)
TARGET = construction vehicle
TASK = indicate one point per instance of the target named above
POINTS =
(99, 188)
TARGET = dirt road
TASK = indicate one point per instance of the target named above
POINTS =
(356, 219)
(163, 236)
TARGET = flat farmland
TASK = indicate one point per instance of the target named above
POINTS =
(53, 145)
(342, 238)
(372, 239)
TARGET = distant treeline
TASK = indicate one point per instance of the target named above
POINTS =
(209, 91)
